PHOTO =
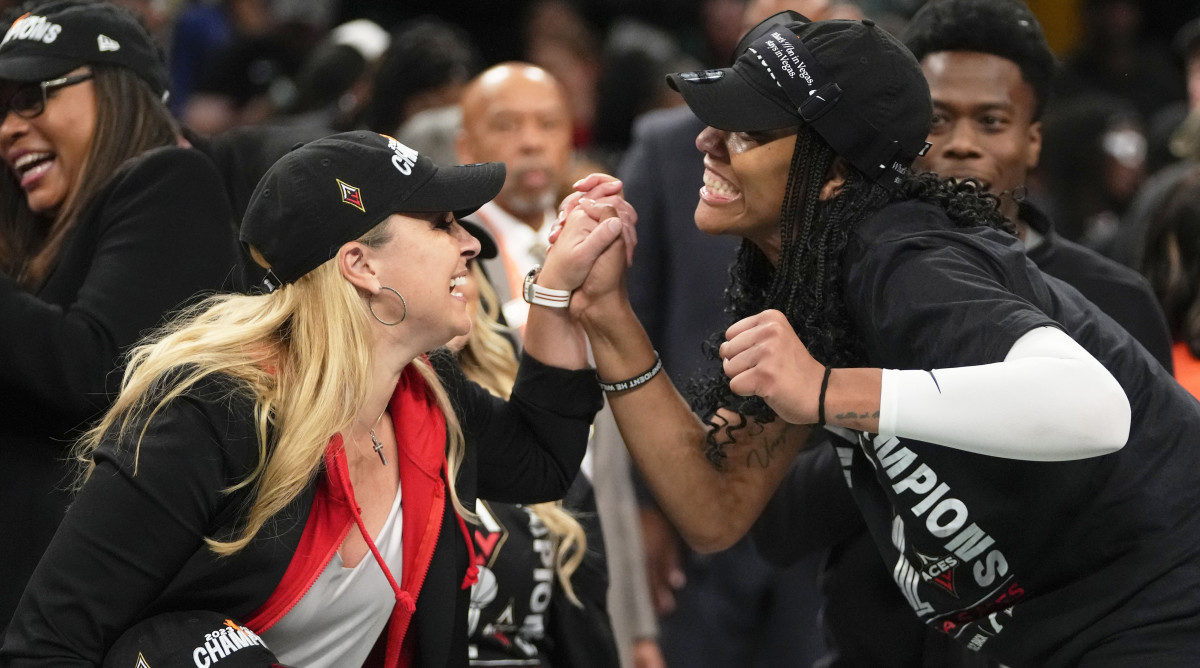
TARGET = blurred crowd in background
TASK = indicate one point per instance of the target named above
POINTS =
(1121, 134)
(1117, 117)
(1129, 77)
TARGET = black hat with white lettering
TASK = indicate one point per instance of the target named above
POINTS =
(333, 190)
(57, 37)
(187, 640)
(854, 84)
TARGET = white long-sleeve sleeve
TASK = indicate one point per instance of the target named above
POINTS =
(1049, 400)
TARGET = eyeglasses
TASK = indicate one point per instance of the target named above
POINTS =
(29, 101)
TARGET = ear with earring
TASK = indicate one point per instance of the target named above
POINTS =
(371, 306)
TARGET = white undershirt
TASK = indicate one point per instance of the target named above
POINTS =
(338, 621)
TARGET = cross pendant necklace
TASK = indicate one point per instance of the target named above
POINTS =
(378, 446)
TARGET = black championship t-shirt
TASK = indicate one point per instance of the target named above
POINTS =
(511, 601)
(1034, 563)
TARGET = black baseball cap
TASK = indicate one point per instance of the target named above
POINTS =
(854, 84)
(187, 640)
(57, 37)
(333, 190)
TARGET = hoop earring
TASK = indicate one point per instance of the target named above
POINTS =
(371, 307)
(1020, 193)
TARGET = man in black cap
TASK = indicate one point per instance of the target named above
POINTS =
(1022, 464)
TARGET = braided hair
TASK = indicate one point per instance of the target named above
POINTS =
(806, 283)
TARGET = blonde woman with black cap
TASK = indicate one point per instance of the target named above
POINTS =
(105, 226)
(1026, 470)
(291, 459)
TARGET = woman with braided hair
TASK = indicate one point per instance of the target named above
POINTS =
(1022, 464)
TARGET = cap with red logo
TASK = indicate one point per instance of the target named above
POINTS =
(333, 190)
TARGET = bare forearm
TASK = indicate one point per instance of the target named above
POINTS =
(555, 339)
(712, 508)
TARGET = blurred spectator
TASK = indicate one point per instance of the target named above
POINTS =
(518, 114)
(1114, 57)
(516, 616)
(249, 79)
(723, 27)
(334, 82)
(1171, 130)
(637, 58)
(1170, 259)
(201, 29)
(242, 155)
(560, 41)
(1093, 162)
(433, 132)
(1163, 127)
(426, 67)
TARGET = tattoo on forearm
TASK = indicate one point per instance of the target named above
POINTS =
(851, 415)
(761, 457)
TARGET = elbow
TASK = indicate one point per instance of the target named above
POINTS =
(1115, 422)
(1106, 429)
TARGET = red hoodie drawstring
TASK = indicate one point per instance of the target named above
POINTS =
(473, 570)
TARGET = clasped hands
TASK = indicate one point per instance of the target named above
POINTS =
(592, 241)
(762, 354)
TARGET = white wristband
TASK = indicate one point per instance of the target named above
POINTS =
(550, 297)
(536, 294)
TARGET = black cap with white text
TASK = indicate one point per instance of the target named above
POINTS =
(854, 84)
(333, 190)
(58, 37)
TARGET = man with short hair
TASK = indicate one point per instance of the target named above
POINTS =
(517, 113)
(990, 75)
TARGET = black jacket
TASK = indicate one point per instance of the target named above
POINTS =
(132, 545)
(1122, 293)
(155, 236)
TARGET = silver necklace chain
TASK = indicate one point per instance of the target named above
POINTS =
(378, 446)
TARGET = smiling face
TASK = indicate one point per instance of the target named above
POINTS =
(983, 125)
(469, 289)
(426, 261)
(745, 175)
(47, 153)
